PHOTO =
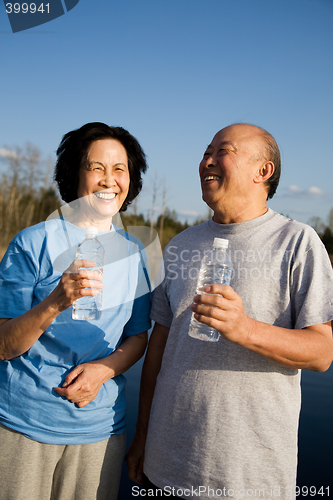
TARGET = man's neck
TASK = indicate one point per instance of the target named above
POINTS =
(226, 215)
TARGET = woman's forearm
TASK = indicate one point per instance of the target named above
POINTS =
(127, 354)
(82, 384)
(17, 335)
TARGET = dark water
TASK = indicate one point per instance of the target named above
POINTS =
(315, 467)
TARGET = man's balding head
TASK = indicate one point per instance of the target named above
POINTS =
(267, 150)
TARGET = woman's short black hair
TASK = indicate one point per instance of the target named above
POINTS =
(74, 148)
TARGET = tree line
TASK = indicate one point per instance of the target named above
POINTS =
(325, 231)
(28, 196)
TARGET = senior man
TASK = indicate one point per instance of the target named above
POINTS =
(223, 417)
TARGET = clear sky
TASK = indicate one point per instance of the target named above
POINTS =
(174, 72)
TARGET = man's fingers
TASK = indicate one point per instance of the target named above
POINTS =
(224, 290)
(135, 471)
(210, 300)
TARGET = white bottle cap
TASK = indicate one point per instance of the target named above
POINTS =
(220, 243)
(91, 232)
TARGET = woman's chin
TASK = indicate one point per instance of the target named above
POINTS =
(100, 209)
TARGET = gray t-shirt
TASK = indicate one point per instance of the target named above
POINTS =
(224, 417)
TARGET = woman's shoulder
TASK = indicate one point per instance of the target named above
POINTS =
(136, 242)
(34, 235)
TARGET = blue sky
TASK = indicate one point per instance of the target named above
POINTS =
(174, 72)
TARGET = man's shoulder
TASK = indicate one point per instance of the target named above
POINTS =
(188, 235)
(295, 237)
(291, 226)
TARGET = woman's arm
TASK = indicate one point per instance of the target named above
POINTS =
(17, 335)
(82, 384)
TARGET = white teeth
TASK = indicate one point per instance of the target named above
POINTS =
(105, 196)
(211, 178)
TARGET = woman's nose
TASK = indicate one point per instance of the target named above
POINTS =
(108, 179)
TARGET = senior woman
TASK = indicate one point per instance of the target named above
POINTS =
(62, 407)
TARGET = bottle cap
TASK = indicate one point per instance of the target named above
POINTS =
(220, 243)
(91, 232)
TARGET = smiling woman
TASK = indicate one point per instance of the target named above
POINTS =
(103, 184)
(61, 380)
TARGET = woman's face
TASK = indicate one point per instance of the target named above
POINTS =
(103, 179)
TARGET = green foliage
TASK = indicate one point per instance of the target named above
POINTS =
(24, 199)
(327, 239)
(325, 232)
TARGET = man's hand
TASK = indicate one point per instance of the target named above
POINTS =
(222, 308)
(82, 384)
(134, 459)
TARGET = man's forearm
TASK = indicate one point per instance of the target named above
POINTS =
(310, 348)
(222, 308)
(150, 371)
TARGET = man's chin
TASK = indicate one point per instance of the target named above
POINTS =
(209, 200)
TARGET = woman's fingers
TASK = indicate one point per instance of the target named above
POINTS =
(77, 282)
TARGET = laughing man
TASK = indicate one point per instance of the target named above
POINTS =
(225, 415)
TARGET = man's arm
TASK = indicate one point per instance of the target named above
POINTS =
(150, 370)
(310, 348)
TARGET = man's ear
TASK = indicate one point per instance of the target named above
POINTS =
(264, 172)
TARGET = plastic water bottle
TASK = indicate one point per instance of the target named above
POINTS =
(89, 308)
(216, 268)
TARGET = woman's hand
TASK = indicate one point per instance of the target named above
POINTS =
(82, 384)
(76, 283)
(17, 335)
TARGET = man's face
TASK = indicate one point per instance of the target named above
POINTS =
(230, 164)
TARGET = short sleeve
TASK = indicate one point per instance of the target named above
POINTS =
(140, 321)
(18, 277)
(312, 287)
(161, 311)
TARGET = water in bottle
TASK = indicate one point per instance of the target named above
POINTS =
(90, 308)
(216, 268)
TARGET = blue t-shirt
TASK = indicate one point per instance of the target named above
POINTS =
(29, 271)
